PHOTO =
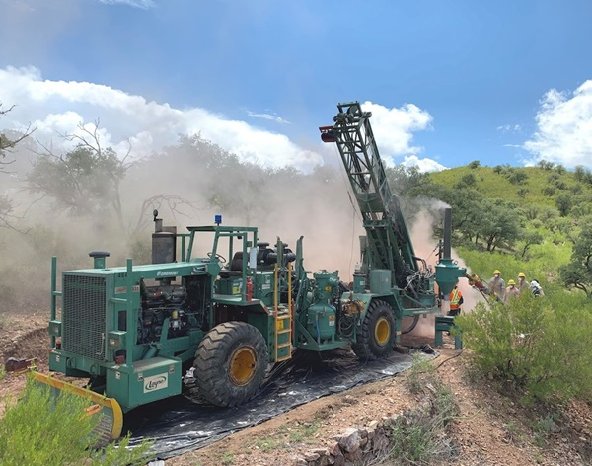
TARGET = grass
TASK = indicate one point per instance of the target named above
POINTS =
(419, 374)
(227, 459)
(419, 437)
(289, 435)
(498, 185)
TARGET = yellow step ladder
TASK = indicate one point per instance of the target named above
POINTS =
(283, 335)
(282, 320)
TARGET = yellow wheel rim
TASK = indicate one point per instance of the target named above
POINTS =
(382, 331)
(242, 365)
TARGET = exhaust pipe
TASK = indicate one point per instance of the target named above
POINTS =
(99, 259)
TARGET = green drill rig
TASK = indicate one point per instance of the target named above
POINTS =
(388, 263)
(133, 331)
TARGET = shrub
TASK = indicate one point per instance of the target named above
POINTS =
(43, 430)
(576, 189)
(580, 173)
(563, 202)
(467, 180)
(532, 345)
(419, 436)
(422, 371)
(546, 165)
(517, 177)
(474, 164)
(549, 191)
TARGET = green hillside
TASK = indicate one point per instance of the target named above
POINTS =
(530, 185)
(535, 220)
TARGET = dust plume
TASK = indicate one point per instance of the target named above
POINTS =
(425, 246)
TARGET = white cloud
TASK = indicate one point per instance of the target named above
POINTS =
(268, 116)
(59, 107)
(143, 4)
(423, 165)
(564, 128)
(393, 129)
(508, 128)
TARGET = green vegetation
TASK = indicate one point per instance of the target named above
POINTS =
(288, 435)
(536, 220)
(421, 372)
(419, 436)
(227, 459)
(42, 430)
(532, 347)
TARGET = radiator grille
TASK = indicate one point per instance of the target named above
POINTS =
(83, 315)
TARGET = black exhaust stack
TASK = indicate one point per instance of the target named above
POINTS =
(164, 242)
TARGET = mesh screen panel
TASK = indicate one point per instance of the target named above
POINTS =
(83, 315)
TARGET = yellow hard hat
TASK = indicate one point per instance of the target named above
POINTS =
(511, 282)
(496, 271)
(521, 274)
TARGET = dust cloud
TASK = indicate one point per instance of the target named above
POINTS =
(425, 245)
(188, 183)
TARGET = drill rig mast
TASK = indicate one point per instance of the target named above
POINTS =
(387, 245)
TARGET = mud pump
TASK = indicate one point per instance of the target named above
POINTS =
(244, 305)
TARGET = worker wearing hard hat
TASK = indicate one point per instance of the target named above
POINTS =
(522, 282)
(456, 299)
(497, 286)
(511, 291)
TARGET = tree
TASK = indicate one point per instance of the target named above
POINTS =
(8, 143)
(403, 180)
(545, 165)
(530, 238)
(467, 180)
(85, 180)
(474, 164)
(578, 273)
(499, 225)
(517, 177)
(580, 173)
(563, 202)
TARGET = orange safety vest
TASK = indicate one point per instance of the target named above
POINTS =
(455, 297)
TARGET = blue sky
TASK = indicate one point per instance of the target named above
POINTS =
(484, 72)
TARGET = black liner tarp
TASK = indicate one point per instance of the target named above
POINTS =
(187, 422)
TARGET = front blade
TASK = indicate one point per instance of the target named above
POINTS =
(111, 422)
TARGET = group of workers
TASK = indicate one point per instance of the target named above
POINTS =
(496, 288)
(499, 290)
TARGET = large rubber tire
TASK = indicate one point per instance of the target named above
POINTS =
(378, 334)
(230, 364)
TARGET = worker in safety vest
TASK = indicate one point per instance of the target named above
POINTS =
(497, 286)
(511, 291)
(522, 282)
(456, 299)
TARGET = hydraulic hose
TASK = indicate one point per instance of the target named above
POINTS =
(412, 326)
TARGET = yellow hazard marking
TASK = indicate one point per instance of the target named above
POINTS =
(100, 401)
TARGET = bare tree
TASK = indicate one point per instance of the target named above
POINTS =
(173, 202)
(84, 180)
(6, 145)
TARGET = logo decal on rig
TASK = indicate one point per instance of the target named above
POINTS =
(156, 382)
(166, 273)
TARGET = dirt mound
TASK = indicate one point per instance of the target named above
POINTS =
(34, 344)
